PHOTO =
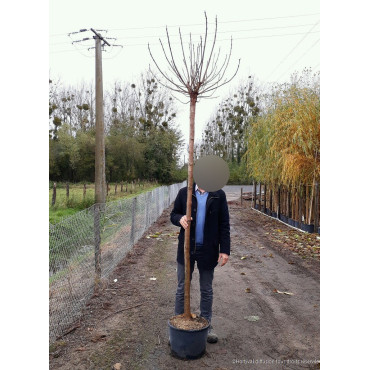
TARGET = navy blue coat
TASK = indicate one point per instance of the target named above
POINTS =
(216, 226)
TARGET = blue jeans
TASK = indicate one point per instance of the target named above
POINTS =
(205, 282)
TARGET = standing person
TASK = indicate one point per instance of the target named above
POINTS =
(209, 244)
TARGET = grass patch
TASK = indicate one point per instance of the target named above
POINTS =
(65, 207)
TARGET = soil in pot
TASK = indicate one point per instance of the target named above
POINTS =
(188, 338)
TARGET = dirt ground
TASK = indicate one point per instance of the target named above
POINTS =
(266, 308)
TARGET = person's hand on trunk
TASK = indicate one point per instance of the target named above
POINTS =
(184, 222)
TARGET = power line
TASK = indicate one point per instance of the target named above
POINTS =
(237, 38)
(291, 51)
(202, 24)
(293, 64)
(196, 34)
(233, 31)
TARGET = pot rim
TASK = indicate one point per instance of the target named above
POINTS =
(190, 330)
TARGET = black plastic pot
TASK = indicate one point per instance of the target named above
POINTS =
(284, 218)
(273, 214)
(296, 224)
(291, 222)
(267, 211)
(188, 344)
(257, 206)
(308, 227)
(318, 230)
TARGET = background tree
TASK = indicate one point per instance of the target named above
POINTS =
(141, 136)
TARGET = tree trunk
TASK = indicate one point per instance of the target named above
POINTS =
(311, 201)
(270, 202)
(254, 195)
(260, 198)
(264, 197)
(187, 314)
(67, 190)
(317, 207)
(84, 192)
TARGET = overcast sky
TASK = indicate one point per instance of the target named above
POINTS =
(273, 38)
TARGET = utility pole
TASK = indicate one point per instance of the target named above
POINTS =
(100, 184)
(99, 153)
(99, 122)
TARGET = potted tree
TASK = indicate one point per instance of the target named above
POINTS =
(197, 78)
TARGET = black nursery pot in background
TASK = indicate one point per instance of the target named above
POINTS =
(291, 222)
(284, 218)
(273, 214)
(268, 212)
(308, 227)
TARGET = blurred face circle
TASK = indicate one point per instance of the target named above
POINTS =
(211, 173)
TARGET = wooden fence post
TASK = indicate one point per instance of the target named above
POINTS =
(121, 186)
(241, 196)
(115, 189)
(84, 191)
(54, 194)
(107, 188)
(67, 190)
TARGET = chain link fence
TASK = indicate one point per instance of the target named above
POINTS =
(72, 243)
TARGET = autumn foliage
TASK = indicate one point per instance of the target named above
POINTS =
(284, 142)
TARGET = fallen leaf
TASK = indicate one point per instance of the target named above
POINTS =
(243, 258)
(262, 247)
(270, 255)
(279, 230)
(193, 315)
(248, 290)
(291, 263)
(252, 318)
(278, 291)
(117, 366)
(81, 349)
(242, 273)
(153, 278)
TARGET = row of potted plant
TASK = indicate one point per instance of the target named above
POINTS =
(310, 228)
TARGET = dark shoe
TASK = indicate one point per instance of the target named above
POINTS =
(212, 336)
